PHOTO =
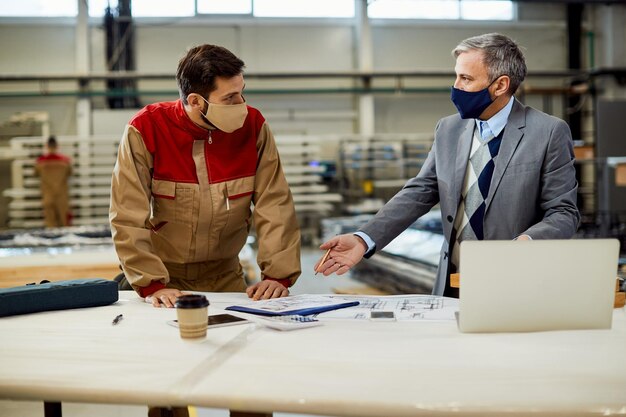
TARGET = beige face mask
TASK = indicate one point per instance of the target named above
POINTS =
(226, 117)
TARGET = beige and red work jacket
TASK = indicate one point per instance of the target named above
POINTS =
(54, 170)
(182, 194)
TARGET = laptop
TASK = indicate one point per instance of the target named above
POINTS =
(515, 286)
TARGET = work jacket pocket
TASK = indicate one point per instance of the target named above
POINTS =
(163, 201)
(172, 219)
(173, 202)
(238, 195)
(237, 198)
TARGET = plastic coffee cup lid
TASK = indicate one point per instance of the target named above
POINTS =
(192, 301)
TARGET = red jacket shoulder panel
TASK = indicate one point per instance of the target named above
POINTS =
(169, 134)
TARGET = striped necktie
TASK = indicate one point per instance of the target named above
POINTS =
(476, 190)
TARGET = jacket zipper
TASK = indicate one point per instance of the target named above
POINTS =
(227, 201)
(210, 139)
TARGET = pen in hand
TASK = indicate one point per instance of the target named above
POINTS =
(323, 260)
(117, 319)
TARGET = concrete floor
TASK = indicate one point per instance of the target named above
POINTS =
(306, 284)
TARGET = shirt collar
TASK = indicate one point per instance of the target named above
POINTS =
(497, 122)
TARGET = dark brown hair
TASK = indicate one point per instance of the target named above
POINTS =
(198, 68)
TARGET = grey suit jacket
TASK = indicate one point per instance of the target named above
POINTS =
(533, 188)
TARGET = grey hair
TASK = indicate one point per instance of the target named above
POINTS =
(502, 56)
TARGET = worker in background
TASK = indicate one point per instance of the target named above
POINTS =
(187, 172)
(498, 169)
(54, 170)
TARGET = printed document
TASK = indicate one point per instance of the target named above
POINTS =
(406, 307)
(295, 304)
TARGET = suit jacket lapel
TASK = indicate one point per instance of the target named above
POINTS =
(513, 133)
(464, 145)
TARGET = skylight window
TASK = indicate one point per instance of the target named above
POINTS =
(224, 7)
(303, 8)
(486, 10)
(441, 9)
(146, 8)
(414, 9)
(377, 9)
(42, 8)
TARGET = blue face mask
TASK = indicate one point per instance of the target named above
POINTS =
(471, 104)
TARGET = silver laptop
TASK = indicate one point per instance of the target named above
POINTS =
(509, 286)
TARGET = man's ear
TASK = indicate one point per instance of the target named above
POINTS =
(194, 100)
(502, 85)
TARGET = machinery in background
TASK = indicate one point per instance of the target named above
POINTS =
(407, 265)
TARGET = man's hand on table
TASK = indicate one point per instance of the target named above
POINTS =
(267, 289)
(165, 297)
(264, 290)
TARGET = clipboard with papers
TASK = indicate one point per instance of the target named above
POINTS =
(302, 305)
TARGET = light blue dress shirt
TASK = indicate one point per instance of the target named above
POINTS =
(497, 122)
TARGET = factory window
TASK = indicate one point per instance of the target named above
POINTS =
(146, 8)
(279, 8)
(69, 8)
(260, 8)
(303, 8)
(224, 7)
(441, 9)
(384, 9)
(39, 8)
(181, 8)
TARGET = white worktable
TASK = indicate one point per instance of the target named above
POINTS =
(346, 368)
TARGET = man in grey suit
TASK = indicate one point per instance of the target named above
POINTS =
(498, 169)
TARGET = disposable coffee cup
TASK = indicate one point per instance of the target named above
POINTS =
(193, 315)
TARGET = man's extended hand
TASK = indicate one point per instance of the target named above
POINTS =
(164, 297)
(267, 289)
(345, 252)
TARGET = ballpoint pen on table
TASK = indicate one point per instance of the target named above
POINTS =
(117, 319)
(323, 260)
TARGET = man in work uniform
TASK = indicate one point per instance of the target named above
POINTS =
(54, 170)
(186, 174)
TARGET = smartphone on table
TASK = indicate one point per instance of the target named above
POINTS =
(218, 320)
